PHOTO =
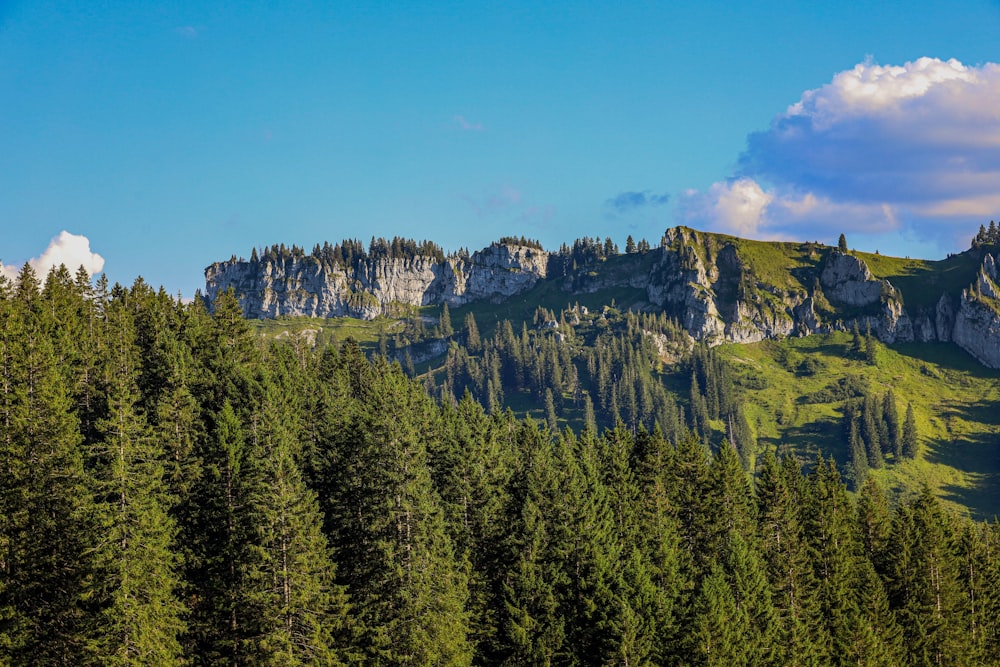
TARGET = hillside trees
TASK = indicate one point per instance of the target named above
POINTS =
(135, 560)
(46, 511)
(397, 562)
(175, 490)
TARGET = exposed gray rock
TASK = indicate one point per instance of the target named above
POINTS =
(847, 281)
(300, 285)
(704, 286)
(976, 327)
(977, 330)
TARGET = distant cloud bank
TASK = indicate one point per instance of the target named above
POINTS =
(70, 249)
(913, 148)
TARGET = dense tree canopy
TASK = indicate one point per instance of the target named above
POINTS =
(176, 491)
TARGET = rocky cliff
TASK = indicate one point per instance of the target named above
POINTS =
(295, 284)
(720, 289)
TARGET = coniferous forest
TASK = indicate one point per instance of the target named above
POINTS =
(177, 491)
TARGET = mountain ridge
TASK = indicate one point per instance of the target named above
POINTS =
(719, 288)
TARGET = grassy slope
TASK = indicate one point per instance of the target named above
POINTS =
(953, 397)
(922, 282)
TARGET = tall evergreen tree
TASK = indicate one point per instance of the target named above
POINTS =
(802, 639)
(536, 629)
(299, 613)
(924, 587)
(396, 559)
(46, 528)
(140, 615)
(910, 436)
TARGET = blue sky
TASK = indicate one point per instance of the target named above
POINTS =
(173, 134)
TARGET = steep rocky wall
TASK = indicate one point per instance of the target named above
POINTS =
(976, 327)
(302, 285)
(704, 284)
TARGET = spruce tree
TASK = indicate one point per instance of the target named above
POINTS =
(658, 540)
(874, 521)
(535, 627)
(924, 583)
(300, 615)
(909, 437)
(717, 629)
(444, 324)
(870, 432)
(395, 557)
(219, 546)
(894, 428)
(472, 340)
(600, 618)
(46, 518)
(137, 570)
(801, 636)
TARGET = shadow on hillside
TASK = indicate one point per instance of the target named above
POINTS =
(983, 499)
(807, 441)
(975, 454)
(946, 355)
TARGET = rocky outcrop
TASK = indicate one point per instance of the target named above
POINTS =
(304, 285)
(701, 280)
(976, 326)
(847, 281)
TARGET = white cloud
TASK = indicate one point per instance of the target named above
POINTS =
(70, 249)
(735, 207)
(878, 149)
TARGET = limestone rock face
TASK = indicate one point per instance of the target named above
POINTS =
(301, 285)
(699, 280)
(501, 271)
(847, 281)
(976, 326)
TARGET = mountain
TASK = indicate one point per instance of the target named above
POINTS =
(718, 288)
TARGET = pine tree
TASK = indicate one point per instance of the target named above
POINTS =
(801, 636)
(395, 557)
(46, 529)
(910, 436)
(842, 243)
(137, 569)
(298, 611)
(923, 585)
